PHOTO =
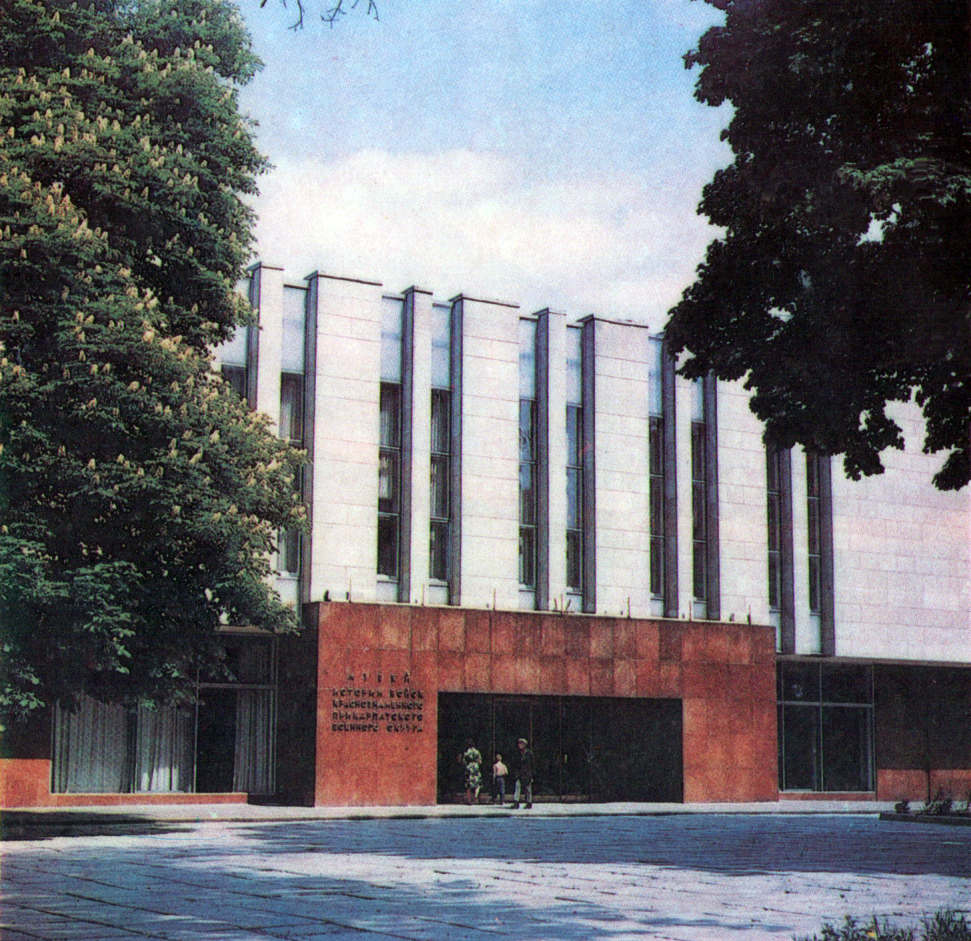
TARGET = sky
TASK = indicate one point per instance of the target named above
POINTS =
(545, 154)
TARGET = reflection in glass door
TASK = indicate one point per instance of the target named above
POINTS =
(585, 749)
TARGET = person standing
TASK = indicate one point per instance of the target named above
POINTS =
(524, 775)
(499, 772)
(472, 759)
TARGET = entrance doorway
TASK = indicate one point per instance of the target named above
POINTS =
(596, 749)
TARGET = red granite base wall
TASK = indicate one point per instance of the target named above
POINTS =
(911, 784)
(381, 667)
(25, 782)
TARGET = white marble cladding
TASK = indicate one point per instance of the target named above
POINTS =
(622, 523)
(743, 540)
(901, 549)
(346, 424)
(490, 453)
(902, 561)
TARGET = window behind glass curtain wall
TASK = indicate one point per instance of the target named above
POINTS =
(389, 457)
(527, 454)
(291, 404)
(813, 532)
(773, 499)
(655, 446)
(291, 428)
(699, 502)
(441, 445)
(574, 461)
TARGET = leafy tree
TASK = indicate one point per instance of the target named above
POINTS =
(138, 496)
(331, 12)
(843, 277)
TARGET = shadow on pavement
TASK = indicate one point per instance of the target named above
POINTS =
(48, 824)
(213, 894)
(707, 843)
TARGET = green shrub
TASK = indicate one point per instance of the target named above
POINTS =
(945, 925)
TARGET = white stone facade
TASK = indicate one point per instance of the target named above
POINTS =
(901, 574)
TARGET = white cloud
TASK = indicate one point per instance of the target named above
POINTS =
(478, 223)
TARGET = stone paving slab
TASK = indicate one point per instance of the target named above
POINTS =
(681, 878)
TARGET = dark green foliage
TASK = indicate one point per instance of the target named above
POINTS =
(945, 925)
(843, 277)
(138, 496)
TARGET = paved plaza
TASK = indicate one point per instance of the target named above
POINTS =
(478, 876)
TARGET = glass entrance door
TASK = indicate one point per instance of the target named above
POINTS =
(585, 749)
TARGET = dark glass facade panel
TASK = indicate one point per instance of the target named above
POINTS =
(813, 532)
(288, 554)
(800, 769)
(527, 556)
(800, 682)
(584, 748)
(527, 430)
(847, 748)
(440, 493)
(699, 571)
(389, 481)
(390, 415)
(574, 436)
(388, 475)
(699, 511)
(250, 661)
(773, 515)
(527, 493)
(388, 546)
(574, 498)
(438, 551)
(439, 487)
(846, 683)
(440, 424)
(574, 560)
(825, 727)
(291, 407)
(236, 377)
(656, 496)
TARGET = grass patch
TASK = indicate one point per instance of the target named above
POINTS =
(945, 925)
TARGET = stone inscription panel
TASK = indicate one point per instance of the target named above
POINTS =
(376, 707)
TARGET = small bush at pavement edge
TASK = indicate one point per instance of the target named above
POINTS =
(945, 925)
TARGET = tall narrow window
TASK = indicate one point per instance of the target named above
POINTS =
(440, 461)
(773, 502)
(236, 377)
(291, 428)
(778, 507)
(527, 455)
(699, 502)
(389, 481)
(813, 532)
(441, 444)
(655, 452)
(574, 462)
(389, 457)
(292, 355)
(232, 356)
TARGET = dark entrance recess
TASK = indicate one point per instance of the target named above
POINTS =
(595, 749)
(216, 741)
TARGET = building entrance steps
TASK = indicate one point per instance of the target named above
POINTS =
(142, 815)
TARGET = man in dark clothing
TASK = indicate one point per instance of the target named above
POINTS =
(524, 775)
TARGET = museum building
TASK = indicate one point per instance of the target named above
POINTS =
(525, 526)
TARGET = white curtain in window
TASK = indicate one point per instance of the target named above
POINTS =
(254, 766)
(91, 749)
(164, 750)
